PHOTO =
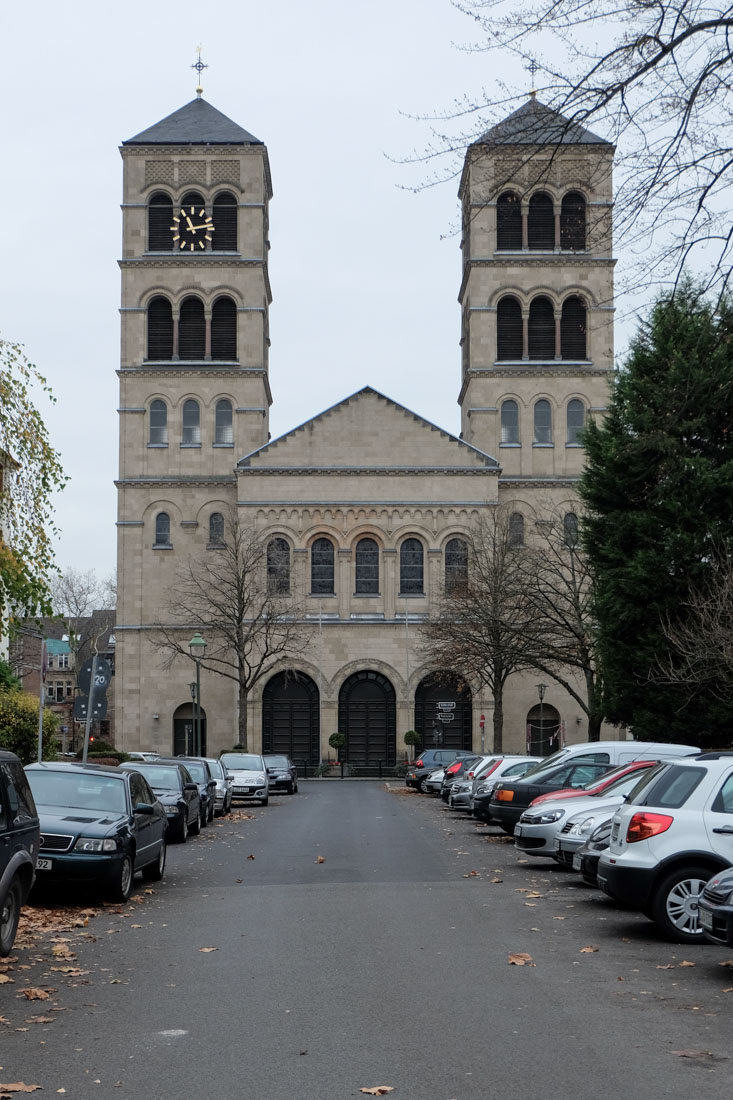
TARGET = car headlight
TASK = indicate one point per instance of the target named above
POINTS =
(95, 844)
(261, 779)
(548, 818)
(582, 828)
(171, 811)
(485, 788)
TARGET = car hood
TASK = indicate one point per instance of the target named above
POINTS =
(76, 822)
(596, 806)
(244, 777)
(578, 805)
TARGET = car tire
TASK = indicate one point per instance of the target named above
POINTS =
(155, 870)
(210, 818)
(204, 819)
(195, 828)
(121, 888)
(421, 784)
(182, 829)
(674, 903)
(290, 789)
(265, 800)
(295, 789)
(9, 916)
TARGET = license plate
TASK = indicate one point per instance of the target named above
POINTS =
(705, 919)
(241, 790)
(577, 861)
(44, 864)
(517, 830)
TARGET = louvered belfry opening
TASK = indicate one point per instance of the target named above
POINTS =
(509, 221)
(192, 329)
(160, 329)
(225, 222)
(193, 203)
(160, 220)
(541, 332)
(573, 329)
(509, 329)
(572, 221)
(224, 329)
(541, 222)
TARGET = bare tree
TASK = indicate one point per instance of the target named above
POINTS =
(245, 607)
(483, 626)
(87, 606)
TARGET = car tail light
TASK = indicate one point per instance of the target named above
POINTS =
(504, 796)
(452, 769)
(419, 764)
(493, 768)
(644, 825)
(470, 775)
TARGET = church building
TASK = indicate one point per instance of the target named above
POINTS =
(367, 507)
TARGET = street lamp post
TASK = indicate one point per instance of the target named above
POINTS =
(541, 689)
(197, 649)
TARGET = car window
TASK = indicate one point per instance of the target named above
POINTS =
(243, 762)
(160, 778)
(137, 788)
(3, 811)
(592, 757)
(216, 769)
(277, 761)
(21, 806)
(584, 773)
(519, 769)
(622, 785)
(187, 778)
(197, 771)
(672, 788)
(723, 803)
(149, 796)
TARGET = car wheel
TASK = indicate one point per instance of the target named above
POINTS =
(210, 818)
(155, 870)
(194, 828)
(182, 829)
(265, 800)
(121, 888)
(674, 905)
(295, 789)
(9, 916)
(204, 820)
(421, 784)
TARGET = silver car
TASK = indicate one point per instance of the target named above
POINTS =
(460, 797)
(507, 767)
(223, 791)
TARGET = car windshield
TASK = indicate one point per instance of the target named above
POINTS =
(160, 778)
(197, 770)
(78, 791)
(277, 762)
(241, 762)
(547, 762)
(622, 785)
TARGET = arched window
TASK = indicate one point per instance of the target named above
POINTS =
(456, 566)
(158, 424)
(541, 222)
(367, 567)
(191, 423)
(192, 329)
(572, 221)
(509, 329)
(223, 428)
(509, 421)
(542, 421)
(225, 223)
(192, 204)
(278, 567)
(224, 329)
(508, 221)
(216, 529)
(160, 328)
(541, 332)
(160, 220)
(570, 529)
(516, 529)
(411, 567)
(322, 576)
(576, 421)
(572, 329)
(162, 529)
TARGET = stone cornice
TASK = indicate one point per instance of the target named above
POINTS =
(191, 150)
(341, 505)
(216, 259)
(367, 471)
(530, 260)
(170, 479)
(538, 482)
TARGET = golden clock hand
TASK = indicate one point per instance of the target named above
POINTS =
(190, 224)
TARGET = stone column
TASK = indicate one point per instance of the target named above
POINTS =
(344, 583)
(389, 583)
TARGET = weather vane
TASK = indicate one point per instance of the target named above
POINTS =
(199, 66)
(532, 69)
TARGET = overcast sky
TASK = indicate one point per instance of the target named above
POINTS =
(364, 272)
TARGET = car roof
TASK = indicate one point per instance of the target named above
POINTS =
(61, 766)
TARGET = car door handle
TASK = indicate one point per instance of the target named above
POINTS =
(724, 829)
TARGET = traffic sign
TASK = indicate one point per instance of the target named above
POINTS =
(102, 678)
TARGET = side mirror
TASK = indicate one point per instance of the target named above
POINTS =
(190, 787)
(144, 808)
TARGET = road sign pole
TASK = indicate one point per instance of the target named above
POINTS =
(90, 708)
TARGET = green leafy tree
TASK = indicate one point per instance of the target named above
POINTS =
(30, 472)
(19, 726)
(657, 489)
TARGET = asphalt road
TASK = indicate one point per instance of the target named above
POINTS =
(384, 964)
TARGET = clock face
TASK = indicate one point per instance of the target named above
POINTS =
(192, 228)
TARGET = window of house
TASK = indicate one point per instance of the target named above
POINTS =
(191, 329)
(225, 222)
(516, 529)
(456, 566)
(542, 421)
(162, 529)
(541, 221)
(158, 423)
(223, 428)
(278, 566)
(541, 331)
(508, 221)
(160, 328)
(411, 567)
(572, 221)
(509, 421)
(367, 567)
(570, 529)
(63, 660)
(322, 569)
(509, 329)
(576, 421)
(160, 220)
(216, 529)
(573, 328)
(224, 329)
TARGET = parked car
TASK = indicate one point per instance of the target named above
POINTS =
(598, 786)
(116, 826)
(508, 767)
(201, 775)
(433, 782)
(715, 909)
(249, 774)
(19, 843)
(282, 774)
(454, 772)
(673, 833)
(223, 790)
(460, 795)
(430, 760)
(173, 786)
(144, 755)
(585, 860)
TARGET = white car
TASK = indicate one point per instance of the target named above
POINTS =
(673, 835)
(249, 775)
(507, 767)
(434, 781)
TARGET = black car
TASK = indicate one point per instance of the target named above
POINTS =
(201, 775)
(282, 774)
(98, 826)
(429, 761)
(177, 793)
(19, 841)
(511, 798)
(715, 908)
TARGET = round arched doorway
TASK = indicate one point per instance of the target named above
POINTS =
(291, 718)
(184, 741)
(443, 712)
(367, 718)
(543, 725)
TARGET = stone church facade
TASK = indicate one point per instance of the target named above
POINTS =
(367, 506)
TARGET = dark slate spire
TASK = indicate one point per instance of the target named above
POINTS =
(535, 124)
(198, 123)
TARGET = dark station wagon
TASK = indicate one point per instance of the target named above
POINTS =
(19, 840)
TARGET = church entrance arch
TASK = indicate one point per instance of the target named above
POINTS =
(291, 717)
(543, 725)
(368, 720)
(183, 731)
(443, 712)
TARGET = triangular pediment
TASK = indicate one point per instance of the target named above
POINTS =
(367, 431)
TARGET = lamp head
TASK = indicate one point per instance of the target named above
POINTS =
(197, 646)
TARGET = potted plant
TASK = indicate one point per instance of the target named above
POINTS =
(337, 741)
(412, 738)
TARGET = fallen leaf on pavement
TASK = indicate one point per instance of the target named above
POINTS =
(666, 966)
(19, 1086)
(497, 880)
(521, 958)
(206, 950)
(4, 979)
(41, 1020)
(727, 962)
(322, 859)
(378, 1090)
(250, 856)
(685, 962)
(692, 1053)
(37, 995)
(588, 950)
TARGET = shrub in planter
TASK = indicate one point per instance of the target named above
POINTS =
(412, 738)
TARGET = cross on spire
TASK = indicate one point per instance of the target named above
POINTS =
(532, 69)
(199, 66)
